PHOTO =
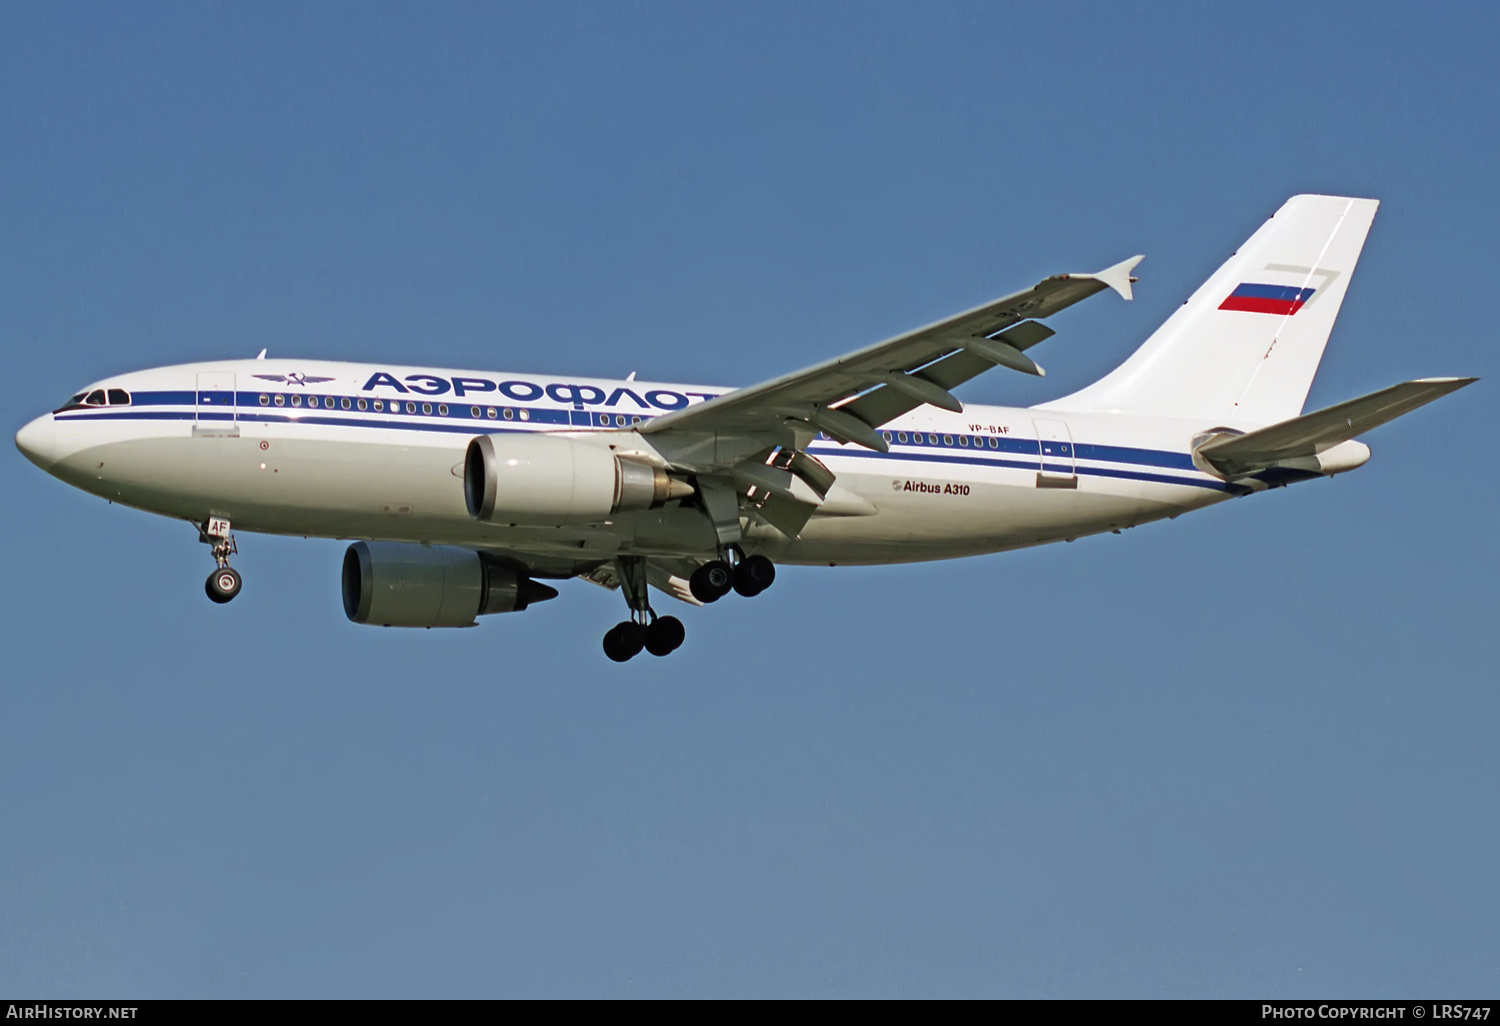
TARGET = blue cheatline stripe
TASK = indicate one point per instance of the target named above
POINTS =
(249, 409)
(1059, 468)
(1122, 454)
(163, 398)
(1024, 446)
(458, 423)
(126, 415)
(1028, 447)
(481, 427)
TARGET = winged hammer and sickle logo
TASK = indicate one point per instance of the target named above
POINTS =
(294, 378)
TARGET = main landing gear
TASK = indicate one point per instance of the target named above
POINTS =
(749, 576)
(659, 635)
(225, 582)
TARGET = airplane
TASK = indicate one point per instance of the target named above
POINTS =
(462, 492)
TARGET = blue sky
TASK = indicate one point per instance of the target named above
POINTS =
(1246, 753)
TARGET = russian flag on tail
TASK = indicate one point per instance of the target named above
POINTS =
(1272, 299)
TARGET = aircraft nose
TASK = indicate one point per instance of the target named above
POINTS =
(38, 442)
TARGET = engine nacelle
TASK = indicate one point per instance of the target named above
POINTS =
(403, 584)
(546, 479)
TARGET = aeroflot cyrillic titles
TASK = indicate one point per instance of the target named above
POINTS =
(522, 391)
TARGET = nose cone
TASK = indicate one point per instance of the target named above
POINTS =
(38, 442)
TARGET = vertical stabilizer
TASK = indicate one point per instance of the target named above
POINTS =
(1245, 347)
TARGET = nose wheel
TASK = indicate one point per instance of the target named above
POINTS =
(225, 582)
(223, 585)
(644, 631)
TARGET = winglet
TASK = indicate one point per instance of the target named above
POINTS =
(1117, 277)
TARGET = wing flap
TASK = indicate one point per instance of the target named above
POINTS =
(785, 514)
(885, 404)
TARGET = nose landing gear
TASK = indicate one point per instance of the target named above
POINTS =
(659, 635)
(225, 582)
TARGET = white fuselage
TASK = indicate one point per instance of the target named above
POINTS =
(345, 450)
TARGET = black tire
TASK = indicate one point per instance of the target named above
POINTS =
(665, 635)
(223, 584)
(754, 575)
(711, 581)
(624, 641)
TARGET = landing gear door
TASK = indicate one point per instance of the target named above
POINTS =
(216, 413)
(1059, 467)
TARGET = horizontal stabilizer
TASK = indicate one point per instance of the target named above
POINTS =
(1314, 433)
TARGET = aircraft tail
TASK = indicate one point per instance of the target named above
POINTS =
(1245, 347)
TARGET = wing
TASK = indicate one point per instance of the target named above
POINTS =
(849, 397)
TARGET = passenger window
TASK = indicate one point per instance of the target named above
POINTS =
(119, 397)
(442, 409)
(932, 439)
(901, 436)
(265, 400)
(411, 407)
(509, 413)
(886, 435)
(994, 442)
(96, 397)
(474, 411)
(379, 405)
(426, 407)
(963, 440)
(296, 400)
(281, 400)
(947, 439)
(489, 412)
(362, 404)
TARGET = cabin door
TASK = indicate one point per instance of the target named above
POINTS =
(215, 411)
(1059, 468)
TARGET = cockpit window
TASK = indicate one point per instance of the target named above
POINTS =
(119, 397)
(77, 400)
(95, 398)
